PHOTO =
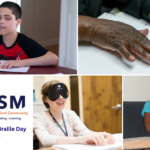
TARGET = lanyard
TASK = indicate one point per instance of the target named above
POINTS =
(66, 134)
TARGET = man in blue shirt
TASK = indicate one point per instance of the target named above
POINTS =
(146, 114)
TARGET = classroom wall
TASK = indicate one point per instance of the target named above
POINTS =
(38, 82)
(136, 88)
(41, 20)
(74, 94)
(68, 34)
(80, 98)
(100, 94)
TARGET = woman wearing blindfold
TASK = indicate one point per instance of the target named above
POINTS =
(58, 126)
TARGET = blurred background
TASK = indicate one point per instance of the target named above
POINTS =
(136, 91)
(53, 24)
(97, 100)
(136, 88)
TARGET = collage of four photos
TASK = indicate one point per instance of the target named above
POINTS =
(75, 74)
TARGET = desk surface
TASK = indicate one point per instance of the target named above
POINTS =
(136, 143)
(46, 70)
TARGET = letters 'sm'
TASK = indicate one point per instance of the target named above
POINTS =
(13, 99)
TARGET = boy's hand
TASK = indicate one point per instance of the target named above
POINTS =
(13, 63)
(45, 60)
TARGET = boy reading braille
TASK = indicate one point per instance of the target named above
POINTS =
(19, 49)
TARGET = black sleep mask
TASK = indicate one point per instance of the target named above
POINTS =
(56, 90)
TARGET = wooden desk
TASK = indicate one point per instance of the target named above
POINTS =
(136, 143)
(46, 70)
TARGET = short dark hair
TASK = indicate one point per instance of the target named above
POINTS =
(15, 8)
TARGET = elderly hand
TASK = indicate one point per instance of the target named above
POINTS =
(115, 36)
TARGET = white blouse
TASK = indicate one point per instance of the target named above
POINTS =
(47, 132)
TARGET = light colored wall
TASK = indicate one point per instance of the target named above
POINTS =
(38, 82)
(136, 88)
(80, 98)
(68, 34)
(41, 20)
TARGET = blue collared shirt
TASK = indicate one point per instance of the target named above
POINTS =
(146, 108)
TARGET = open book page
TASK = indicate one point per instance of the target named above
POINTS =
(118, 144)
(14, 69)
(118, 137)
(129, 17)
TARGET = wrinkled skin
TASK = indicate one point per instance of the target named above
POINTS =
(115, 36)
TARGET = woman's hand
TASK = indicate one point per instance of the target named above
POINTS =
(98, 138)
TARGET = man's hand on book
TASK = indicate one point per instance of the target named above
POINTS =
(115, 36)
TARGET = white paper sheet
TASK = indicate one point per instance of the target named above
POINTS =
(87, 147)
(93, 60)
(118, 137)
(58, 73)
(118, 144)
(135, 20)
(14, 69)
